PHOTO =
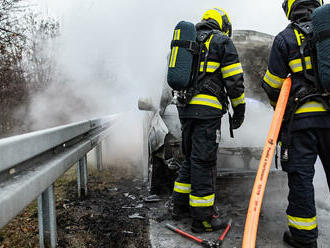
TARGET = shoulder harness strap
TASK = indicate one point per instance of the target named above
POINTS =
(304, 35)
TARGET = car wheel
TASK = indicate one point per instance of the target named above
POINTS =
(158, 176)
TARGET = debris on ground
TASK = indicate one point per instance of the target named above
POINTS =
(152, 198)
(99, 220)
(136, 216)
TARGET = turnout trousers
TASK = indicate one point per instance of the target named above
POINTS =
(195, 185)
(303, 150)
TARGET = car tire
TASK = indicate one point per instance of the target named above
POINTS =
(158, 176)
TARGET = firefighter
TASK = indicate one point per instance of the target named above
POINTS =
(305, 131)
(194, 188)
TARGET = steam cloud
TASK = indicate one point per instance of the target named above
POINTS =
(108, 55)
(254, 130)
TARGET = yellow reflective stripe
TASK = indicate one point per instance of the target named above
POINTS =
(210, 66)
(273, 81)
(231, 70)
(302, 223)
(311, 106)
(205, 201)
(290, 3)
(206, 100)
(175, 49)
(296, 64)
(238, 100)
(300, 37)
(207, 43)
(206, 224)
(184, 188)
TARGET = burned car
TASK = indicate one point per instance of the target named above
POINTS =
(238, 155)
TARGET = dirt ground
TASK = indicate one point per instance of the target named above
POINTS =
(113, 214)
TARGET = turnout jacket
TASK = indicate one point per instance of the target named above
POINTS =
(225, 70)
(285, 61)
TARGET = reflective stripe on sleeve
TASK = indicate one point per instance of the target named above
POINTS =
(210, 66)
(239, 100)
(205, 201)
(206, 100)
(273, 81)
(184, 188)
(174, 52)
(302, 223)
(311, 106)
(296, 64)
(231, 70)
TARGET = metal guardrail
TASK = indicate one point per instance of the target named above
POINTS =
(32, 162)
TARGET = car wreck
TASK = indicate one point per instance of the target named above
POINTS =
(238, 155)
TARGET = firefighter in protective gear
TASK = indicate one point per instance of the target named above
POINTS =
(309, 132)
(194, 188)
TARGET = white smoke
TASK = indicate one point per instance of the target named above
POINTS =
(106, 59)
(255, 127)
(111, 53)
(108, 55)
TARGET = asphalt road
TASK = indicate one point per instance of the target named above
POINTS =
(233, 193)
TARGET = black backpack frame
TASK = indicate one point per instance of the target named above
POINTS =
(198, 49)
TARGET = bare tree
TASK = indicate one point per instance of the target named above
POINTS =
(24, 66)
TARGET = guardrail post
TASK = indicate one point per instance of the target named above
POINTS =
(47, 218)
(99, 156)
(82, 177)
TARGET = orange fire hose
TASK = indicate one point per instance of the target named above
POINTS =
(252, 218)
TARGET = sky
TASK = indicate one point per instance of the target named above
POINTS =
(245, 14)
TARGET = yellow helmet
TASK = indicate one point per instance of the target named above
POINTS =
(221, 18)
(289, 6)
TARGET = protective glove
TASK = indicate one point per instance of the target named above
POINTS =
(238, 116)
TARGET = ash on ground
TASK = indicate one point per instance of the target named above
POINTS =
(112, 215)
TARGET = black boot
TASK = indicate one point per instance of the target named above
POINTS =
(210, 224)
(180, 212)
(298, 243)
